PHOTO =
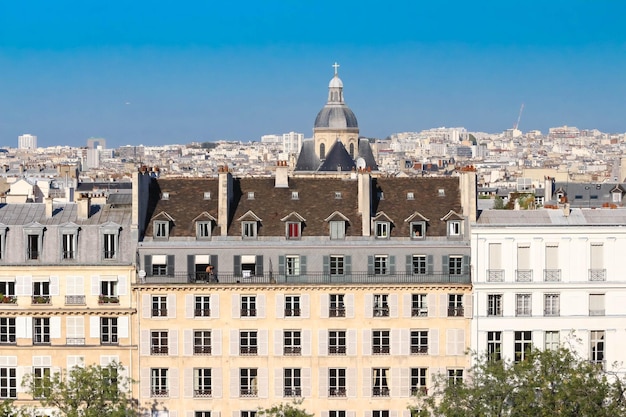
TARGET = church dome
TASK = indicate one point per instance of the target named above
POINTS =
(336, 117)
(335, 82)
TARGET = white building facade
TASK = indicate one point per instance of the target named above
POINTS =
(27, 141)
(546, 277)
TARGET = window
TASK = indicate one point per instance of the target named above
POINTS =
(68, 241)
(523, 345)
(159, 306)
(381, 264)
(419, 342)
(292, 306)
(551, 304)
(248, 230)
(337, 308)
(382, 230)
(419, 305)
(7, 288)
(455, 305)
(552, 339)
(494, 346)
(33, 245)
(418, 230)
(293, 230)
(110, 245)
(381, 307)
(202, 414)
(108, 331)
(552, 271)
(250, 195)
(419, 265)
(337, 229)
(207, 195)
(596, 304)
(41, 382)
(292, 343)
(158, 382)
(159, 265)
(161, 229)
(8, 383)
(292, 265)
(202, 342)
(455, 376)
(380, 388)
(7, 330)
(108, 288)
(494, 305)
(337, 195)
(380, 413)
(203, 230)
(294, 195)
(158, 342)
(248, 414)
(248, 306)
(248, 384)
(455, 265)
(202, 382)
(292, 382)
(336, 265)
(202, 307)
(522, 305)
(454, 228)
(248, 342)
(41, 292)
(337, 342)
(337, 414)
(380, 342)
(41, 331)
(322, 151)
(418, 380)
(337, 382)
(596, 349)
(410, 195)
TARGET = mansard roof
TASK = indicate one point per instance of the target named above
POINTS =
(25, 213)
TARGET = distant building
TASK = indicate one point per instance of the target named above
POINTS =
(292, 142)
(27, 141)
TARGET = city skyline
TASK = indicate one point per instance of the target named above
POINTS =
(155, 75)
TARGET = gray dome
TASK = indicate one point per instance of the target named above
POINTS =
(336, 117)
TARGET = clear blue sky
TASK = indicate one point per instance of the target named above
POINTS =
(175, 71)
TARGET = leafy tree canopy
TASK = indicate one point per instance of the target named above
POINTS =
(286, 410)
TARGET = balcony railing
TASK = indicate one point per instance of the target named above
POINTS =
(337, 312)
(202, 393)
(292, 350)
(248, 350)
(159, 393)
(108, 299)
(41, 299)
(599, 363)
(419, 350)
(159, 312)
(159, 350)
(381, 312)
(293, 392)
(419, 312)
(74, 300)
(551, 312)
(74, 341)
(597, 275)
(248, 392)
(419, 390)
(380, 392)
(380, 350)
(596, 312)
(524, 275)
(495, 275)
(202, 350)
(314, 278)
(455, 312)
(248, 312)
(336, 350)
(292, 312)
(8, 299)
(202, 312)
(551, 275)
(337, 392)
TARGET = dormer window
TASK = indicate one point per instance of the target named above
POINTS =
(382, 230)
(250, 195)
(410, 196)
(161, 229)
(165, 196)
(337, 195)
(207, 195)
(203, 230)
(293, 230)
(441, 192)
(454, 228)
(294, 195)
(293, 225)
(249, 230)
(617, 197)
(337, 229)
(418, 230)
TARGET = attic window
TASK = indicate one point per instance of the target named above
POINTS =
(442, 192)
(594, 197)
(294, 195)
(250, 195)
(207, 195)
(381, 195)
(578, 197)
(337, 195)
(165, 196)
(410, 196)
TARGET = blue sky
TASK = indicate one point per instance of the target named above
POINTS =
(172, 72)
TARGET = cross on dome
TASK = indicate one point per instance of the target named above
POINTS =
(336, 67)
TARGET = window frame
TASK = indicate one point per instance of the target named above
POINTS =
(109, 331)
(8, 382)
(158, 306)
(248, 382)
(382, 229)
(202, 306)
(419, 305)
(204, 229)
(419, 380)
(292, 265)
(523, 305)
(380, 305)
(381, 342)
(8, 331)
(292, 382)
(337, 229)
(552, 304)
(69, 245)
(161, 229)
(292, 342)
(494, 345)
(455, 265)
(336, 305)
(337, 342)
(159, 383)
(337, 265)
(159, 342)
(248, 342)
(293, 230)
(419, 264)
(380, 382)
(455, 305)
(523, 343)
(202, 340)
(292, 306)
(455, 228)
(381, 265)
(337, 382)
(41, 331)
(494, 305)
(417, 230)
(248, 305)
(202, 383)
(249, 230)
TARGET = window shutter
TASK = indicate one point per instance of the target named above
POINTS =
(191, 267)
(445, 264)
(281, 265)
(54, 285)
(146, 306)
(392, 264)
(405, 342)
(216, 342)
(370, 265)
(173, 382)
(235, 308)
(351, 341)
(432, 302)
(260, 305)
(216, 383)
(394, 382)
(404, 382)
(406, 305)
(259, 268)
(122, 285)
(408, 264)
(215, 306)
(305, 306)
(280, 306)
(429, 264)
(395, 342)
(234, 386)
(460, 342)
(306, 382)
(451, 342)
(263, 382)
(213, 260)
(351, 382)
(55, 327)
(369, 305)
(170, 265)
(95, 285)
(122, 327)
(94, 327)
(433, 342)
(443, 305)
(278, 342)
(187, 342)
(144, 382)
(347, 264)
(278, 382)
(263, 342)
(367, 382)
(144, 343)
(465, 264)
(188, 383)
(306, 342)
(172, 339)
(322, 342)
(323, 380)
(190, 306)
(393, 305)
(349, 302)
(326, 264)
(324, 305)
(302, 264)
(171, 306)
(237, 265)
(467, 305)
(234, 342)
(147, 267)
(367, 342)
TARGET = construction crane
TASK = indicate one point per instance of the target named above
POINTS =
(519, 116)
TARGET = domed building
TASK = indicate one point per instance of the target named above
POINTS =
(335, 145)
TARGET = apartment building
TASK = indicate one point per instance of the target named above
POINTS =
(346, 291)
(547, 277)
(65, 289)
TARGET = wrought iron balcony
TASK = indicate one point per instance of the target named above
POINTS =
(455, 311)
(248, 392)
(552, 275)
(292, 312)
(495, 275)
(419, 350)
(381, 312)
(202, 350)
(159, 393)
(41, 299)
(202, 312)
(248, 350)
(292, 351)
(202, 393)
(524, 275)
(337, 392)
(380, 350)
(336, 350)
(248, 312)
(337, 312)
(293, 392)
(419, 312)
(159, 312)
(380, 392)
(159, 350)
(74, 300)
(597, 275)
(74, 341)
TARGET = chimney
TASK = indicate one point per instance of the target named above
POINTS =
(468, 186)
(282, 175)
(225, 195)
(84, 207)
(566, 210)
(364, 185)
(48, 202)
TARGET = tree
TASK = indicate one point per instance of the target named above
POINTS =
(548, 383)
(89, 391)
(286, 410)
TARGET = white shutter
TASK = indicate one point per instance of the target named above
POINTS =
(460, 342)
(215, 306)
(173, 382)
(146, 306)
(235, 308)
(260, 305)
(190, 305)
(24, 327)
(351, 382)
(305, 305)
(23, 286)
(395, 342)
(367, 382)
(122, 285)
(22, 371)
(394, 389)
(324, 303)
(352, 342)
(306, 382)
(393, 305)
(367, 342)
(406, 305)
(75, 360)
(188, 383)
(278, 342)
(467, 305)
(54, 285)
(433, 342)
(216, 382)
(280, 306)
(94, 327)
(450, 342)
(263, 342)
(306, 342)
(278, 383)
(95, 285)
(323, 382)
(349, 301)
(432, 301)
(122, 327)
(322, 336)
(144, 382)
(405, 382)
(443, 305)
(369, 305)
(144, 343)
(172, 339)
(187, 342)
(234, 342)
(234, 383)
(55, 327)
(171, 306)
(216, 342)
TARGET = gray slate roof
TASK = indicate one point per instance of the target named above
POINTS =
(22, 214)
(553, 217)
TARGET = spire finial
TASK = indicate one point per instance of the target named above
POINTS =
(336, 67)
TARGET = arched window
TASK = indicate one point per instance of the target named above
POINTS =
(352, 150)
(322, 151)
